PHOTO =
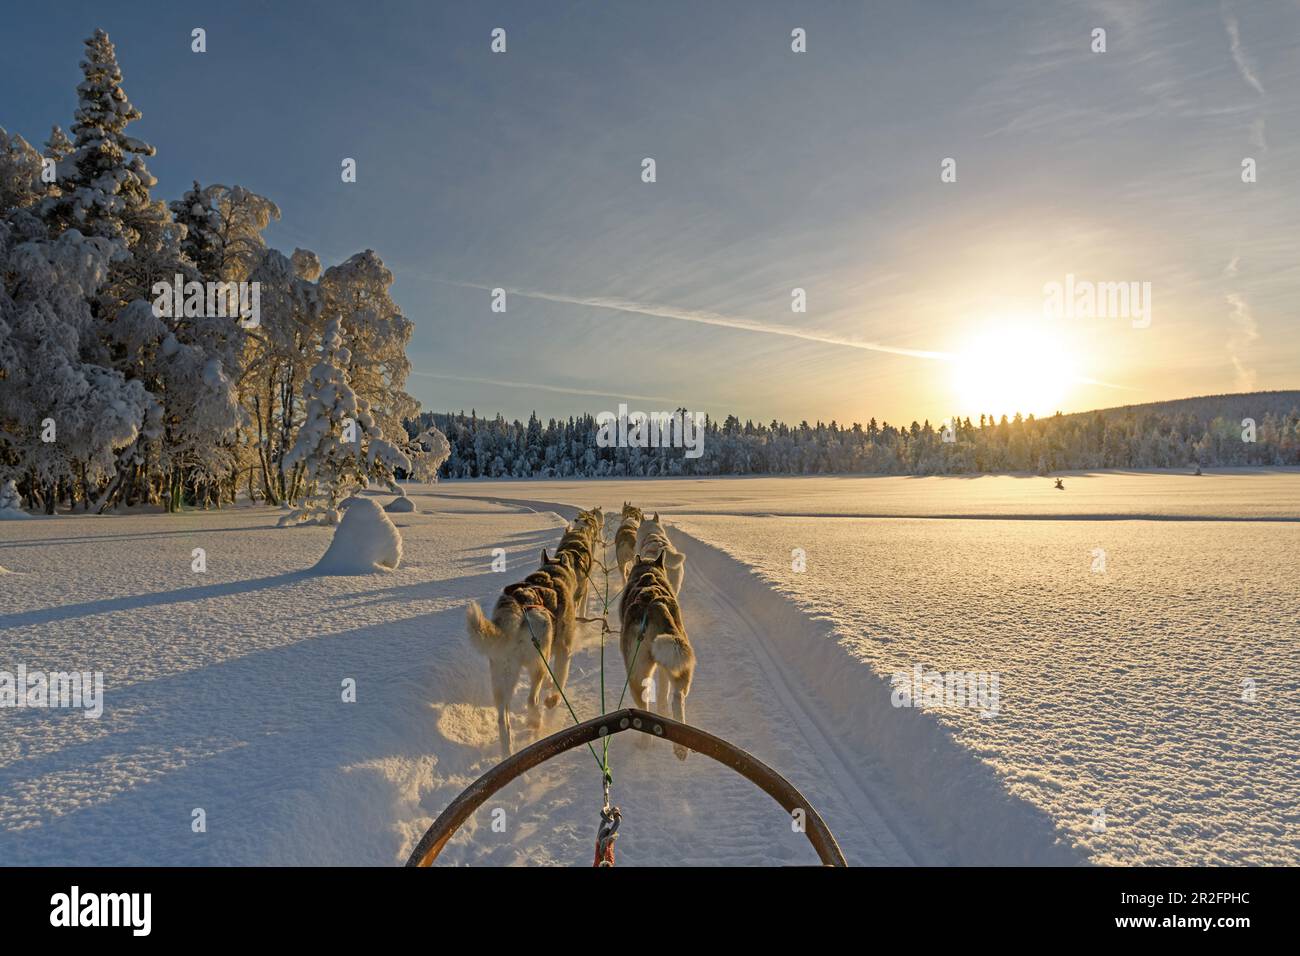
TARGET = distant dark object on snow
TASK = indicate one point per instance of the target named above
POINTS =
(1060, 485)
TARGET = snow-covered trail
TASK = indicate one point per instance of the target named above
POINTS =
(694, 812)
(894, 788)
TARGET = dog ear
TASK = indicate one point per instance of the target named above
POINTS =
(545, 557)
(659, 561)
(656, 517)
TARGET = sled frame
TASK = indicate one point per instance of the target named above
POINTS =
(630, 718)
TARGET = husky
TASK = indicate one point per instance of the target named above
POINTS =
(654, 641)
(577, 543)
(594, 522)
(625, 538)
(540, 608)
(651, 541)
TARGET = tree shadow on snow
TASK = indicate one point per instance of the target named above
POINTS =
(66, 612)
(285, 771)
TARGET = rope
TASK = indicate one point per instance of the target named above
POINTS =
(635, 654)
(537, 646)
(610, 816)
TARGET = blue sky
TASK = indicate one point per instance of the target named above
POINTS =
(775, 170)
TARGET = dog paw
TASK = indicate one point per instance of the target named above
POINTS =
(552, 700)
(680, 751)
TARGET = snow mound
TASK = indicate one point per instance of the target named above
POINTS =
(11, 503)
(402, 505)
(364, 541)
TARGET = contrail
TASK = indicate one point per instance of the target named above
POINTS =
(501, 383)
(710, 318)
(730, 322)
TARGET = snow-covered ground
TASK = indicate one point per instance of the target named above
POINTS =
(1123, 732)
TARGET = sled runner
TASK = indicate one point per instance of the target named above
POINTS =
(747, 765)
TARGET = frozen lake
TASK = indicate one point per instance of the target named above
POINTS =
(1142, 629)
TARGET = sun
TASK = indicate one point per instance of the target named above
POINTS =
(1009, 368)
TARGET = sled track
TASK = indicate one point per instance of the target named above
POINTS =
(736, 648)
(863, 796)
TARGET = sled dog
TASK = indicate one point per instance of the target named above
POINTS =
(654, 641)
(594, 522)
(651, 541)
(540, 607)
(579, 544)
(625, 538)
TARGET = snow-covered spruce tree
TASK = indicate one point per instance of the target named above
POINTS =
(20, 173)
(103, 192)
(104, 183)
(58, 147)
(339, 446)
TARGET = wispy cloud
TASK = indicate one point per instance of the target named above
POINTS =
(1245, 65)
(1245, 331)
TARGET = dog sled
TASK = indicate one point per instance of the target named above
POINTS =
(602, 728)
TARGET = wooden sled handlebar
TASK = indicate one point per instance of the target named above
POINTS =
(745, 764)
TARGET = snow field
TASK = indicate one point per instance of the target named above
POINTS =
(1120, 691)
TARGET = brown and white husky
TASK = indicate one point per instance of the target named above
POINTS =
(541, 608)
(652, 541)
(654, 642)
(625, 537)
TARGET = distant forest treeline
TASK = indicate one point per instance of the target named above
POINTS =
(1206, 431)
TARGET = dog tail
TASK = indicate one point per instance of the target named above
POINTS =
(483, 633)
(670, 648)
(672, 652)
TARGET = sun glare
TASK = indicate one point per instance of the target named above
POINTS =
(1013, 368)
